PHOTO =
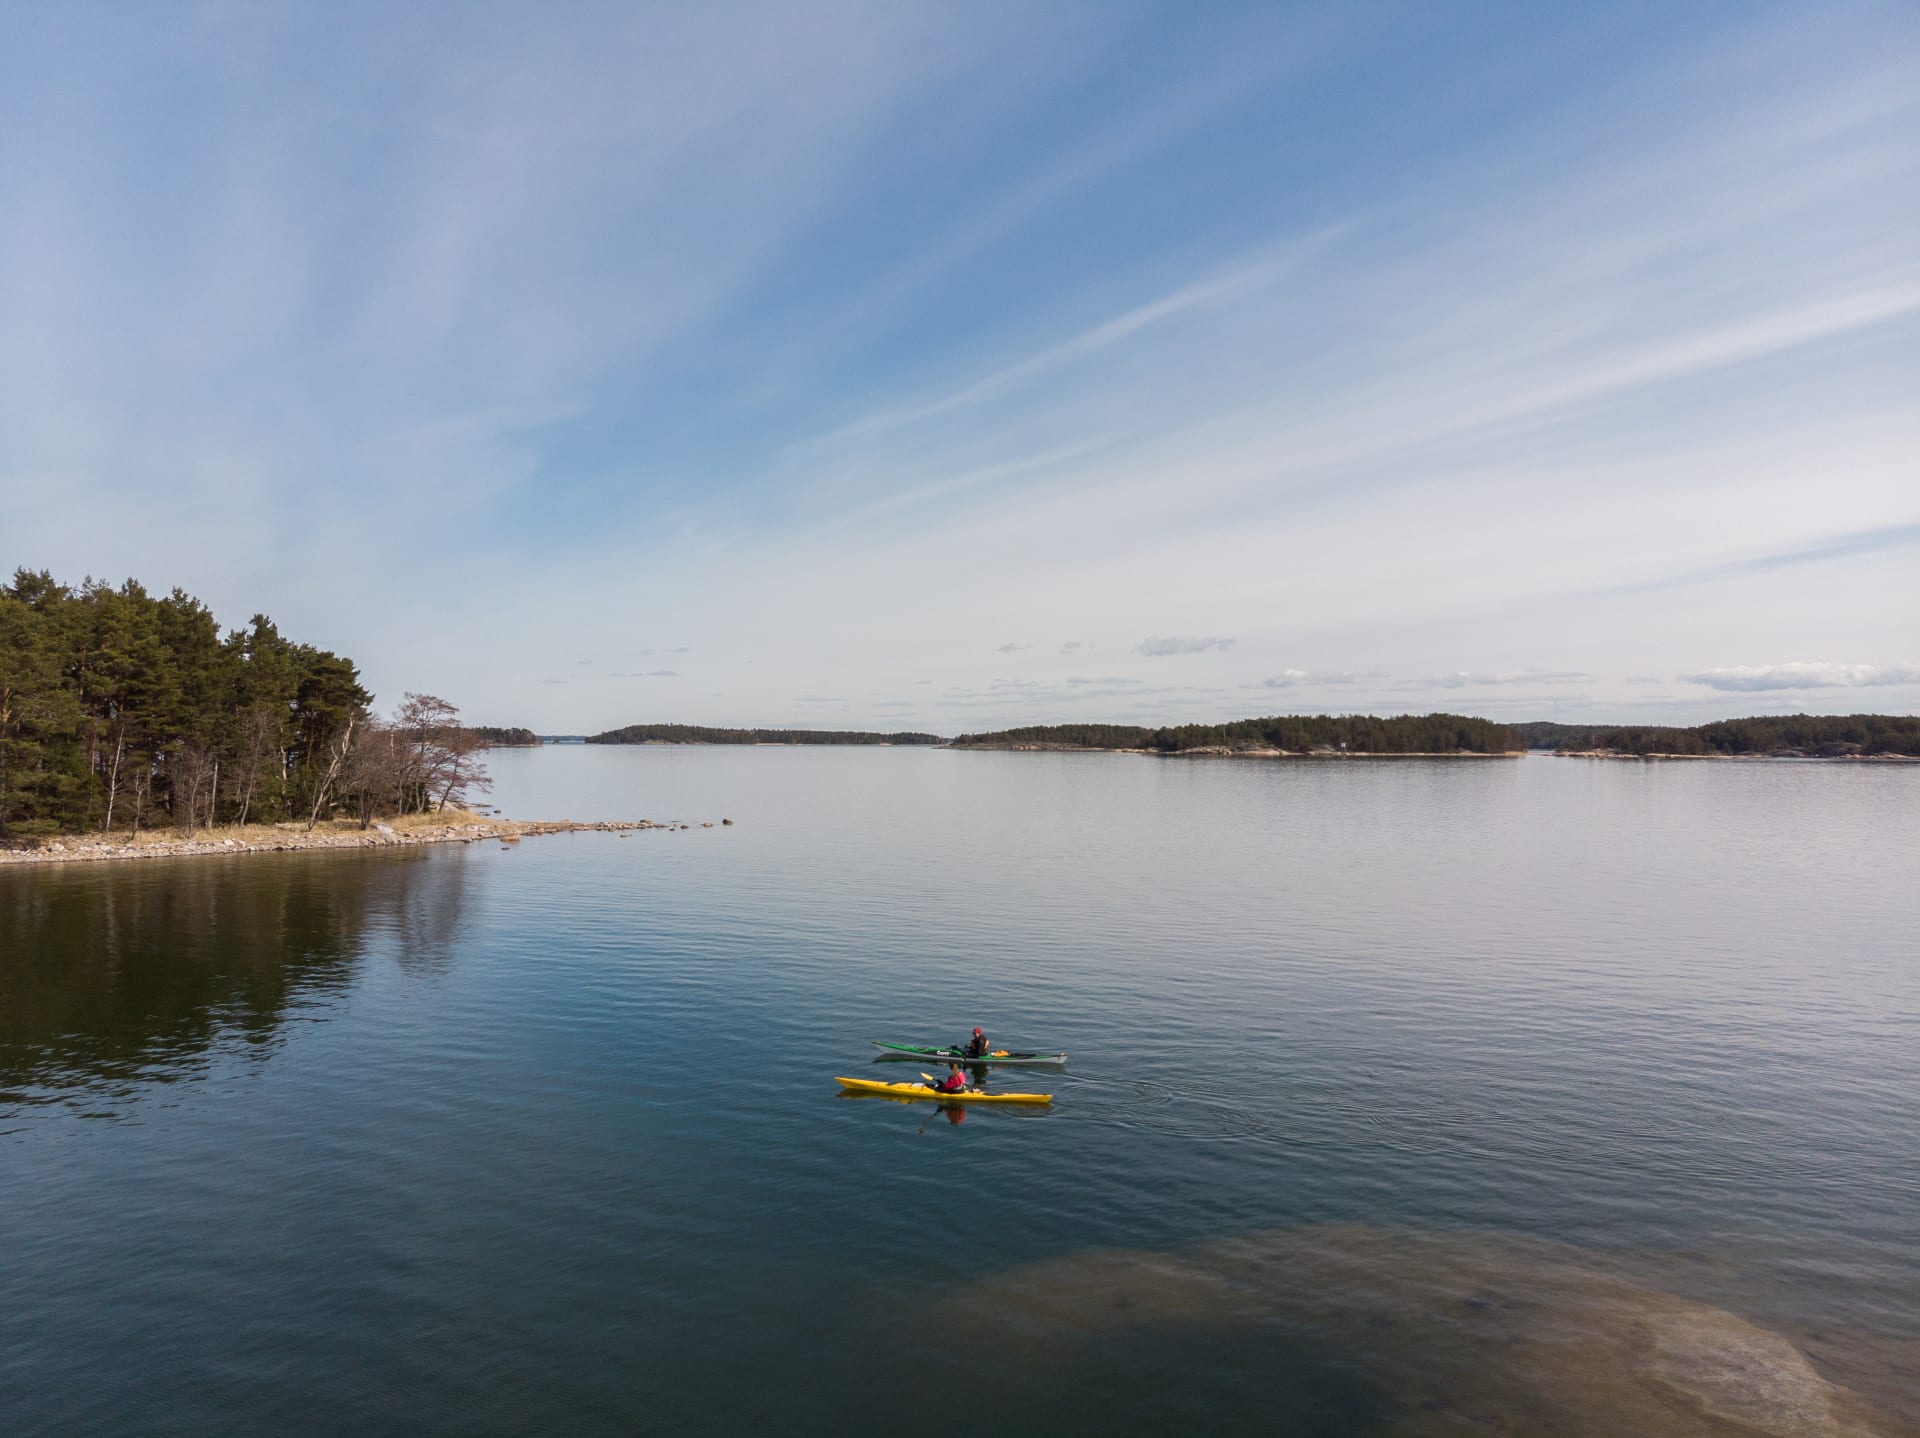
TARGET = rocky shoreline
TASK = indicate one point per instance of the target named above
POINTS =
(287, 838)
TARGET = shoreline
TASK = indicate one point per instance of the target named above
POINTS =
(458, 828)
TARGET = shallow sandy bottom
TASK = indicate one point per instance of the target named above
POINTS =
(1469, 1333)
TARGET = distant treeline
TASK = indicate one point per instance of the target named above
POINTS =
(697, 734)
(493, 737)
(1818, 736)
(120, 708)
(1353, 733)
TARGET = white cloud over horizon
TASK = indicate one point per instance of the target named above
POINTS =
(1465, 679)
(1303, 678)
(1755, 678)
(1156, 648)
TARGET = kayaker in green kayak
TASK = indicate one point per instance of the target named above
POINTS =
(954, 1082)
(977, 1047)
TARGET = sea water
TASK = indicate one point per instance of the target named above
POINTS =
(545, 1138)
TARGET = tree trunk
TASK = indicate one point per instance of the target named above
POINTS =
(113, 779)
(142, 786)
(333, 772)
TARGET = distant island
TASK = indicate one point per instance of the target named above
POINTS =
(1304, 734)
(492, 736)
(1788, 736)
(1796, 736)
(697, 734)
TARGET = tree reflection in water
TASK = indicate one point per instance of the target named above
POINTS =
(114, 977)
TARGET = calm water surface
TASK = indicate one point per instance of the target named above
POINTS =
(545, 1139)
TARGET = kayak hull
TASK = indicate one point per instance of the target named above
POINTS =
(917, 1090)
(953, 1055)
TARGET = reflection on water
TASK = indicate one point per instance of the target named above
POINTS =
(114, 976)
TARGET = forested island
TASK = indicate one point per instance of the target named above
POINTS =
(1353, 734)
(123, 710)
(1796, 736)
(1789, 736)
(697, 734)
(492, 736)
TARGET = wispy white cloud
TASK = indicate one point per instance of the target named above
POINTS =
(1490, 402)
(1811, 550)
(1466, 679)
(1232, 282)
(1161, 648)
(1304, 678)
(1150, 124)
(1800, 674)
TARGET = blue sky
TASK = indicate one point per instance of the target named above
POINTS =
(955, 366)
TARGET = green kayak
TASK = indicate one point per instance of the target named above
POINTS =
(953, 1055)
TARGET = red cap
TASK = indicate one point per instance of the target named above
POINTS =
(976, 1030)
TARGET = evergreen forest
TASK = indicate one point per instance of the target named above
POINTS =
(698, 734)
(495, 736)
(123, 710)
(1296, 733)
(1813, 736)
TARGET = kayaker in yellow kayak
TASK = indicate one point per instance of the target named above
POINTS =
(954, 1082)
(977, 1047)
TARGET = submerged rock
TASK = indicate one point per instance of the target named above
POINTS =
(1463, 1332)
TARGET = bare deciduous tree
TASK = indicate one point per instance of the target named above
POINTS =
(141, 783)
(443, 755)
(336, 757)
(374, 779)
(193, 773)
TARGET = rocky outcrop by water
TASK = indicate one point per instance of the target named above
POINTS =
(257, 839)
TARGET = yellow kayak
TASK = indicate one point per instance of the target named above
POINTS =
(920, 1090)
